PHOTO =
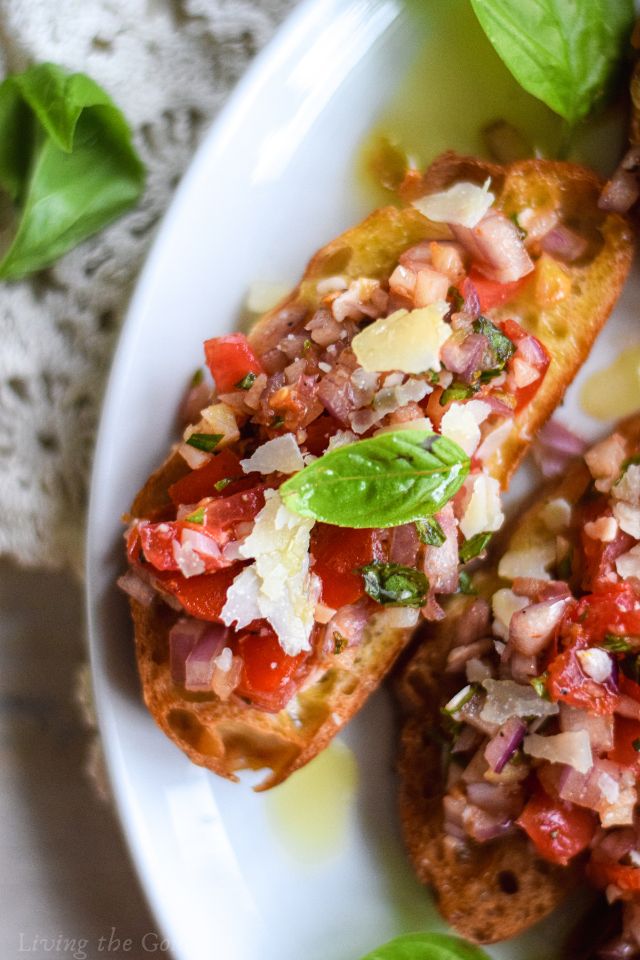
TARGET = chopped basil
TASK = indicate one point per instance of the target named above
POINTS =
(339, 642)
(539, 684)
(197, 516)
(276, 423)
(392, 583)
(205, 441)
(197, 378)
(501, 346)
(430, 532)
(307, 344)
(456, 298)
(465, 584)
(458, 701)
(221, 484)
(616, 644)
(636, 744)
(247, 381)
(474, 547)
(457, 391)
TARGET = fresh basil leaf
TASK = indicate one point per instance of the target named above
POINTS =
(247, 381)
(457, 391)
(616, 644)
(392, 583)
(465, 584)
(224, 482)
(204, 441)
(388, 480)
(473, 547)
(66, 160)
(564, 52)
(197, 516)
(501, 346)
(539, 684)
(430, 532)
(427, 946)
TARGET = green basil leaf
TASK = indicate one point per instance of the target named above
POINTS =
(197, 516)
(473, 547)
(204, 441)
(539, 684)
(66, 160)
(564, 52)
(427, 946)
(617, 644)
(247, 381)
(465, 584)
(391, 583)
(224, 482)
(388, 480)
(457, 391)
(430, 532)
(501, 346)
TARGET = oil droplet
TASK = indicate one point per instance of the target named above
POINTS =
(310, 811)
(614, 391)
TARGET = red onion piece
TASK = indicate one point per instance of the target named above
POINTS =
(464, 356)
(496, 247)
(440, 564)
(193, 646)
(621, 192)
(335, 393)
(350, 622)
(564, 244)
(504, 744)
(531, 628)
(483, 826)
(404, 545)
(467, 739)
(182, 639)
(471, 305)
(538, 590)
(137, 588)
(499, 799)
(555, 446)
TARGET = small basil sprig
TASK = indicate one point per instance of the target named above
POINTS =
(66, 161)
(564, 52)
(474, 547)
(395, 478)
(430, 532)
(427, 946)
(393, 583)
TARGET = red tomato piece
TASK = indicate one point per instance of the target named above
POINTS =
(201, 483)
(611, 608)
(204, 596)
(222, 516)
(568, 683)
(156, 541)
(559, 830)
(319, 432)
(230, 359)
(626, 733)
(269, 677)
(602, 873)
(338, 552)
(493, 294)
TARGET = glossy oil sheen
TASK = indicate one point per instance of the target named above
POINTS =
(614, 391)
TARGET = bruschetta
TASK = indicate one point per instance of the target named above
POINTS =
(262, 623)
(520, 749)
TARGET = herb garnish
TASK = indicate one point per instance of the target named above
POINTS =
(247, 381)
(196, 517)
(66, 161)
(430, 532)
(204, 441)
(339, 642)
(474, 547)
(539, 684)
(385, 481)
(457, 391)
(616, 644)
(392, 583)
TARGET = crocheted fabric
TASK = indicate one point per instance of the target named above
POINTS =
(169, 65)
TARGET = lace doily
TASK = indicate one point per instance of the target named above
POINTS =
(169, 65)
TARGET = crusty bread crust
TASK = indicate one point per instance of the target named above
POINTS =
(491, 891)
(230, 737)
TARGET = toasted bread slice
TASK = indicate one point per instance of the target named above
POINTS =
(227, 737)
(496, 890)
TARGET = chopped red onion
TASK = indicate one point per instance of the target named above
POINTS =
(336, 394)
(471, 305)
(495, 244)
(467, 739)
(404, 545)
(483, 826)
(464, 356)
(531, 628)
(564, 244)
(555, 446)
(193, 646)
(500, 799)
(349, 622)
(137, 588)
(440, 564)
(504, 744)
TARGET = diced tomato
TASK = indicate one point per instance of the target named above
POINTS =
(603, 872)
(337, 554)
(611, 608)
(296, 404)
(230, 359)
(204, 596)
(626, 733)
(201, 483)
(269, 677)
(596, 557)
(568, 683)
(221, 517)
(156, 542)
(493, 294)
(319, 432)
(559, 830)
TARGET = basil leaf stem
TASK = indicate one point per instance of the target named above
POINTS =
(394, 478)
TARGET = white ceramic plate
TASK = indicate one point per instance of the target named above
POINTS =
(316, 868)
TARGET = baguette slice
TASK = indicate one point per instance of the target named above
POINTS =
(227, 737)
(495, 890)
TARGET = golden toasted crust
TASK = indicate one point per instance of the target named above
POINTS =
(226, 737)
(492, 891)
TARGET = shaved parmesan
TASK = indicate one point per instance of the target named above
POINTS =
(572, 748)
(556, 515)
(463, 203)
(504, 604)
(278, 586)
(529, 562)
(461, 423)
(505, 699)
(409, 341)
(483, 512)
(628, 517)
(628, 565)
(281, 454)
